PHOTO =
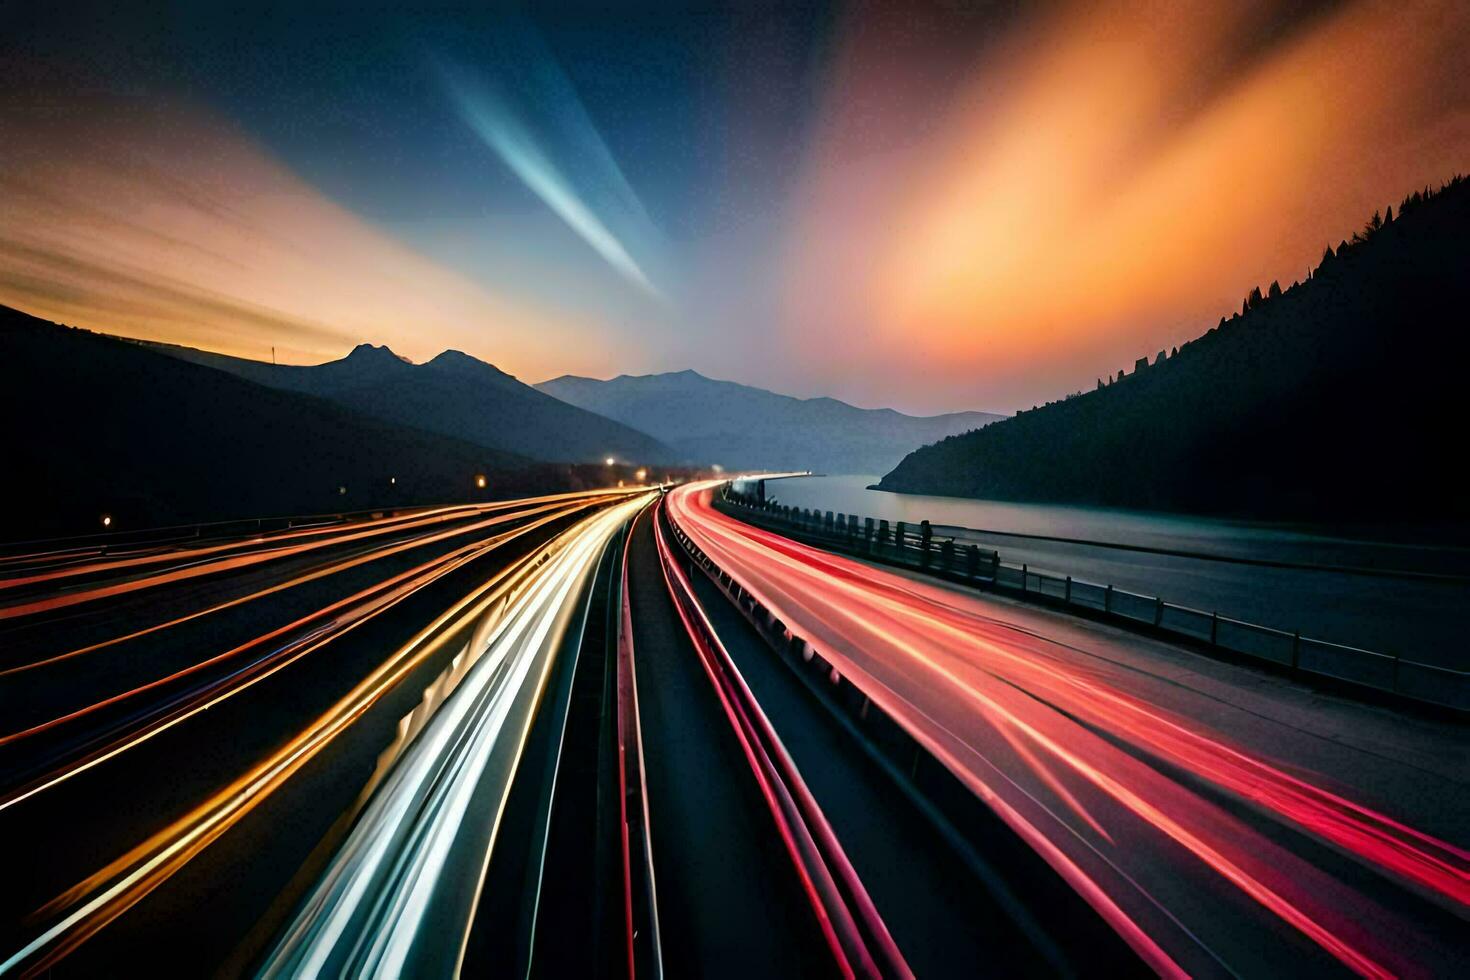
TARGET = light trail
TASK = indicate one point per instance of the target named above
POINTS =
(190, 563)
(855, 933)
(396, 893)
(1090, 773)
(312, 632)
(88, 906)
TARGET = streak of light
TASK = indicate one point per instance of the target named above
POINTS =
(85, 908)
(323, 570)
(383, 906)
(855, 933)
(341, 616)
(951, 674)
(486, 112)
(258, 550)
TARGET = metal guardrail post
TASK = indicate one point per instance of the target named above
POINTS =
(846, 528)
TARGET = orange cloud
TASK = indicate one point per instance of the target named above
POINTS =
(1111, 180)
(156, 220)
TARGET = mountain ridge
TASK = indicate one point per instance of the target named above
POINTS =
(713, 421)
(109, 425)
(453, 394)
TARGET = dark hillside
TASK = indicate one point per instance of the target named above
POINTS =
(1339, 398)
(454, 395)
(94, 425)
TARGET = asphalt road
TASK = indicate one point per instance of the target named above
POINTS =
(1223, 820)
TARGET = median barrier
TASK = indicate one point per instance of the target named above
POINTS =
(961, 817)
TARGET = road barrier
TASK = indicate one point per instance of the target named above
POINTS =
(926, 548)
(1018, 878)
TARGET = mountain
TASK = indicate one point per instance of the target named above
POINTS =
(96, 424)
(740, 427)
(455, 395)
(1339, 398)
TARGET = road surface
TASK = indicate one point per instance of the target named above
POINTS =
(1221, 820)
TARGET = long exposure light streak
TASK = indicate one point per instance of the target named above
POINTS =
(977, 690)
(856, 935)
(397, 886)
(187, 563)
(88, 906)
(313, 632)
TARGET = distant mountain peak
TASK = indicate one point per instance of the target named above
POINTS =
(459, 359)
(369, 353)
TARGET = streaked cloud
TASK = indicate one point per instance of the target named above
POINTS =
(1105, 181)
(525, 109)
(157, 220)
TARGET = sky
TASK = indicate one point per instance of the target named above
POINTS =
(930, 208)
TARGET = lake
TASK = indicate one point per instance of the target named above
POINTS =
(1330, 597)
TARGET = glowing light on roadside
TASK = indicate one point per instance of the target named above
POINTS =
(641, 475)
(609, 461)
(107, 520)
(480, 480)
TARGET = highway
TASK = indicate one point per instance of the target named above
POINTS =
(188, 725)
(1221, 821)
(442, 741)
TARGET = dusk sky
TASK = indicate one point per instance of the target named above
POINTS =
(928, 210)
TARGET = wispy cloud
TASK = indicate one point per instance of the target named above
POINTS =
(165, 223)
(528, 112)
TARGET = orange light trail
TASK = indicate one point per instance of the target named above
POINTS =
(101, 897)
(340, 617)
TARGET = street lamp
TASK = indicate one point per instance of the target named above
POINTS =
(107, 520)
(641, 475)
(610, 461)
(480, 480)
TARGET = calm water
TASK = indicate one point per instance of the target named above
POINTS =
(1236, 539)
(1418, 618)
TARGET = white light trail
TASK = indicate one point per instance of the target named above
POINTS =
(401, 882)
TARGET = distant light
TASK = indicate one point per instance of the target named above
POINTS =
(480, 480)
(620, 483)
(342, 491)
(641, 475)
(610, 461)
(107, 520)
(392, 479)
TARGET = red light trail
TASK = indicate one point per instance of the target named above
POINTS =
(1077, 755)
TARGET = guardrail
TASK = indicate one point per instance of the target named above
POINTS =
(919, 548)
(1019, 878)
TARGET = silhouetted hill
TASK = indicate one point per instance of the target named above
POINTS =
(1339, 398)
(455, 395)
(95, 424)
(740, 427)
